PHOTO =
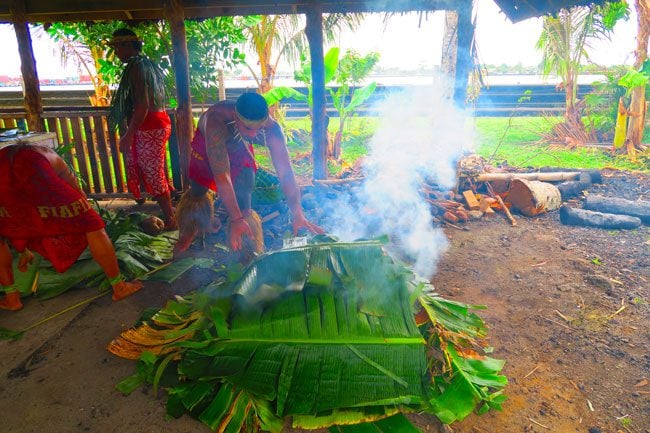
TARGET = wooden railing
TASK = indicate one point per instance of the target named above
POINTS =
(92, 150)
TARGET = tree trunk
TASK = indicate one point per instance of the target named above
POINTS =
(637, 109)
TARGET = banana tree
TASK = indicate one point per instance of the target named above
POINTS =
(310, 335)
(303, 75)
(83, 44)
(351, 69)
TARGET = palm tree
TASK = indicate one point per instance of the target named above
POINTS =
(276, 37)
(564, 42)
(84, 45)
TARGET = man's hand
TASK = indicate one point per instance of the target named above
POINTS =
(25, 259)
(300, 222)
(238, 228)
(126, 142)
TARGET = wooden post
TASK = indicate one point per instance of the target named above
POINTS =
(175, 15)
(449, 44)
(464, 64)
(31, 89)
(314, 31)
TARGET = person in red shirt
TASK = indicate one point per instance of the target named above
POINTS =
(222, 159)
(42, 209)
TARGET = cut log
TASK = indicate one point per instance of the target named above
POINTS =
(470, 199)
(485, 203)
(532, 198)
(573, 188)
(615, 205)
(544, 177)
(580, 217)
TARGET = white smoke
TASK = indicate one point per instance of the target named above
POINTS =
(420, 136)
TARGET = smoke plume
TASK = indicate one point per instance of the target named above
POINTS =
(420, 137)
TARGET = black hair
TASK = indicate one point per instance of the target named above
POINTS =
(252, 106)
(128, 32)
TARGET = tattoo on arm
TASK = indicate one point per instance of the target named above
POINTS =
(216, 134)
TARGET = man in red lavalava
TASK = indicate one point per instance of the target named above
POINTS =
(42, 209)
(139, 104)
(222, 160)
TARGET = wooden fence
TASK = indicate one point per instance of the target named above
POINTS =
(92, 150)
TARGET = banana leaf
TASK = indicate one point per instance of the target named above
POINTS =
(137, 254)
(26, 282)
(52, 283)
(326, 335)
(176, 269)
(396, 423)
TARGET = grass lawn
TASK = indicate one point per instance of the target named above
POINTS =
(498, 139)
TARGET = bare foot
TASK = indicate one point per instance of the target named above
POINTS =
(123, 289)
(183, 243)
(11, 302)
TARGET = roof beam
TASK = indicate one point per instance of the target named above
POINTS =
(97, 10)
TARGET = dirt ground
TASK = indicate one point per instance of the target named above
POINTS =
(568, 309)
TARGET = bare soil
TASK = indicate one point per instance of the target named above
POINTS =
(568, 309)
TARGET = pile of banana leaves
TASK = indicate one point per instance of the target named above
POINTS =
(331, 334)
(137, 254)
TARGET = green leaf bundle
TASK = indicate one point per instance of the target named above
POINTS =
(323, 334)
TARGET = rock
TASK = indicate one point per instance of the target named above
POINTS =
(599, 281)
(475, 214)
(582, 265)
(309, 201)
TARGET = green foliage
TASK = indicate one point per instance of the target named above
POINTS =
(212, 43)
(308, 333)
(519, 146)
(137, 254)
(303, 75)
(602, 104)
(218, 51)
(353, 69)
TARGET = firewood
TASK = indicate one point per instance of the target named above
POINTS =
(462, 215)
(470, 199)
(512, 220)
(545, 177)
(581, 217)
(615, 205)
(448, 216)
(486, 203)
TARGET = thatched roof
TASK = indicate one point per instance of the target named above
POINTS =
(83, 10)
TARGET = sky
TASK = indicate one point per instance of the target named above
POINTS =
(407, 42)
